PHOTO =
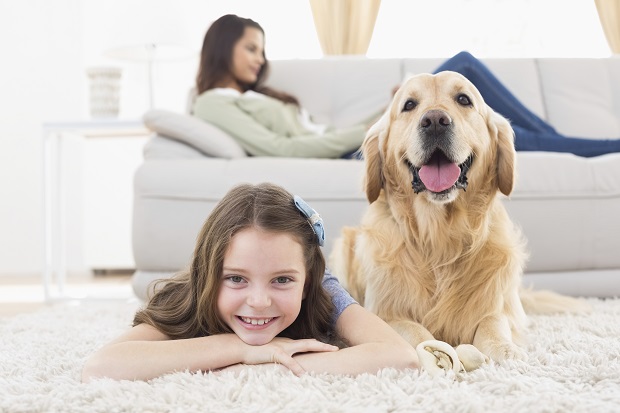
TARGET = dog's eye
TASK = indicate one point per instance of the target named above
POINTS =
(410, 104)
(463, 100)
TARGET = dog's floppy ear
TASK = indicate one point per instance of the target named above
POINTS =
(373, 180)
(506, 155)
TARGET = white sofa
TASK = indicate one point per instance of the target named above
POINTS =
(567, 206)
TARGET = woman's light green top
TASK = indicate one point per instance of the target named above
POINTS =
(265, 126)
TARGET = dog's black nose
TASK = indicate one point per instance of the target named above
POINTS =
(436, 120)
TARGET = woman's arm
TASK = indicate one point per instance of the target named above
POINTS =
(144, 352)
(373, 346)
(257, 138)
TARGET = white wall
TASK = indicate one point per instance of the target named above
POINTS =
(488, 28)
(46, 46)
(41, 60)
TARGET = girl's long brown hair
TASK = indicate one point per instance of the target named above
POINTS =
(186, 305)
(216, 57)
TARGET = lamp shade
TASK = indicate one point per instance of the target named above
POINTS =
(150, 53)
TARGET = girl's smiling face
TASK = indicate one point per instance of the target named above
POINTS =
(262, 284)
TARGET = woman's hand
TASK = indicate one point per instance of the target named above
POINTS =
(281, 350)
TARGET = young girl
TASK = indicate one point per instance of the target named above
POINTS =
(265, 122)
(256, 292)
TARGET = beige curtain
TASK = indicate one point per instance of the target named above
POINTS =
(345, 27)
(609, 14)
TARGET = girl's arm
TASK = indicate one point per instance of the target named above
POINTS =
(144, 352)
(373, 346)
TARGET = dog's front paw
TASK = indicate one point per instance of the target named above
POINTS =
(438, 357)
(471, 358)
(505, 351)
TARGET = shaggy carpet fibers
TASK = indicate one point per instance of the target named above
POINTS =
(573, 366)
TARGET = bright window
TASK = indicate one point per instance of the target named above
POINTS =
(441, 28)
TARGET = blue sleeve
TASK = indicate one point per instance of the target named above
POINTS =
(340, 297)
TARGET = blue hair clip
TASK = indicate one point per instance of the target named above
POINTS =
(315, 220)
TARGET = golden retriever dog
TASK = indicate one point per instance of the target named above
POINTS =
(436, 254)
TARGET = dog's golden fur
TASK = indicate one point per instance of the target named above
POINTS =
(447, 264)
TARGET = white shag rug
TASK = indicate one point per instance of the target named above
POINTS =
(573, 366)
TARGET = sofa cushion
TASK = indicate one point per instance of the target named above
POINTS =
(308, 177)
(565, 205)
(585, 108)
(334, 90)
(195, 132)
(184, 191)
(520, 76)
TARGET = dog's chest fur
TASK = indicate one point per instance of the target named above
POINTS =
(427, 273)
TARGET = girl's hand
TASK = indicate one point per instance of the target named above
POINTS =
(281, 350)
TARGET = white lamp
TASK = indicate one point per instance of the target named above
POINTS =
(149, 53)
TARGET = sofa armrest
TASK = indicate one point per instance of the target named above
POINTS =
(194, 132)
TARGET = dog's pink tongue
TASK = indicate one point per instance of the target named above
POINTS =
(439, 174)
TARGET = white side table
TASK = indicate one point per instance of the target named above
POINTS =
(54, 216)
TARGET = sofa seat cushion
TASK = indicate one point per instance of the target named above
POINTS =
(201, 179)
(561, 175)
(563, 203)
(172, 198)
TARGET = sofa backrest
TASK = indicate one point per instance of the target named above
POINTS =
(582, 96)
(338, 91)
(520, 76)
(578, 96)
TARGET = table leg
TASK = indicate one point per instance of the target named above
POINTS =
(54, 218)
(47, 215)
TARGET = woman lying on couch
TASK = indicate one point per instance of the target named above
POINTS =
(266, 122)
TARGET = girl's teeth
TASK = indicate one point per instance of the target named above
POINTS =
(255, 321)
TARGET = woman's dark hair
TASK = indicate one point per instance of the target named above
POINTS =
(217, 52)
(186, 305)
